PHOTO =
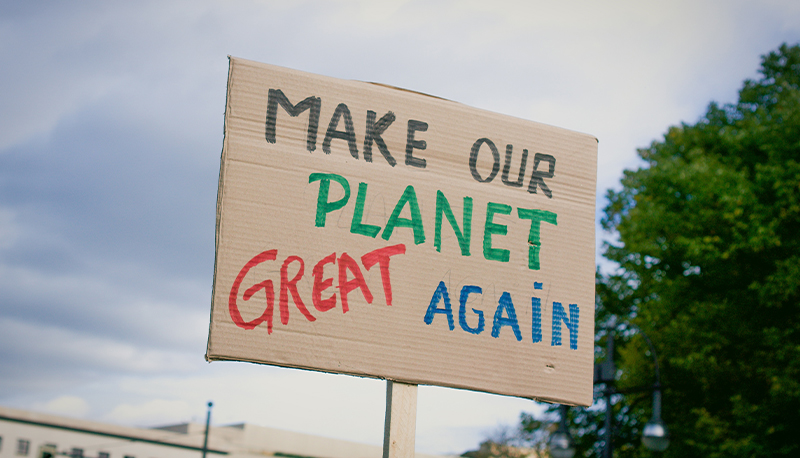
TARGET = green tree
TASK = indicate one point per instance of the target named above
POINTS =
(709, 268)
(709, 250)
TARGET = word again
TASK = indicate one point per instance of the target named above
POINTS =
(505, 315)
(347, 267)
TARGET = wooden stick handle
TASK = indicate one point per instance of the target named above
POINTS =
(401, 420)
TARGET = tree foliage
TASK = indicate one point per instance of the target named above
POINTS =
(709, 268)
(709, 250)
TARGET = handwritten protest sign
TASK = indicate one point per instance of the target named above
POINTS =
(373, 231)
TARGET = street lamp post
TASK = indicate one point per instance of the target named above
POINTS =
(561, 444)
(607, 375)
(208, 425)
(654, 434)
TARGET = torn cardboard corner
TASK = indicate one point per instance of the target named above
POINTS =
(379, 232)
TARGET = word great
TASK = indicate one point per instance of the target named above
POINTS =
(504, 315)
(381, 257)
(443, 211)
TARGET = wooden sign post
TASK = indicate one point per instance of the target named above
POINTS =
(401, 420)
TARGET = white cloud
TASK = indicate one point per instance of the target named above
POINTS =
(71, 406)
(55, 349)
(9, 229)
(90, 306)
(150, 413)
(48, 80)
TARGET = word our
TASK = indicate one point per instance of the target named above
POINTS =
(443, 212)
(505, 315)
(375, 128)
(537, 176)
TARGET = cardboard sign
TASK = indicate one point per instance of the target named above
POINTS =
(374, 231)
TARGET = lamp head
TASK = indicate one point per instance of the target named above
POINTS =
(561, 445)
(655, 435)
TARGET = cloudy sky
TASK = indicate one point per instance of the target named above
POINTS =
(111, 123)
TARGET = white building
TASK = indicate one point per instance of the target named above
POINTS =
(34, 435)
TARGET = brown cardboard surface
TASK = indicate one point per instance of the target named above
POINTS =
(272, 243)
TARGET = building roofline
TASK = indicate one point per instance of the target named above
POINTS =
(130, 437)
